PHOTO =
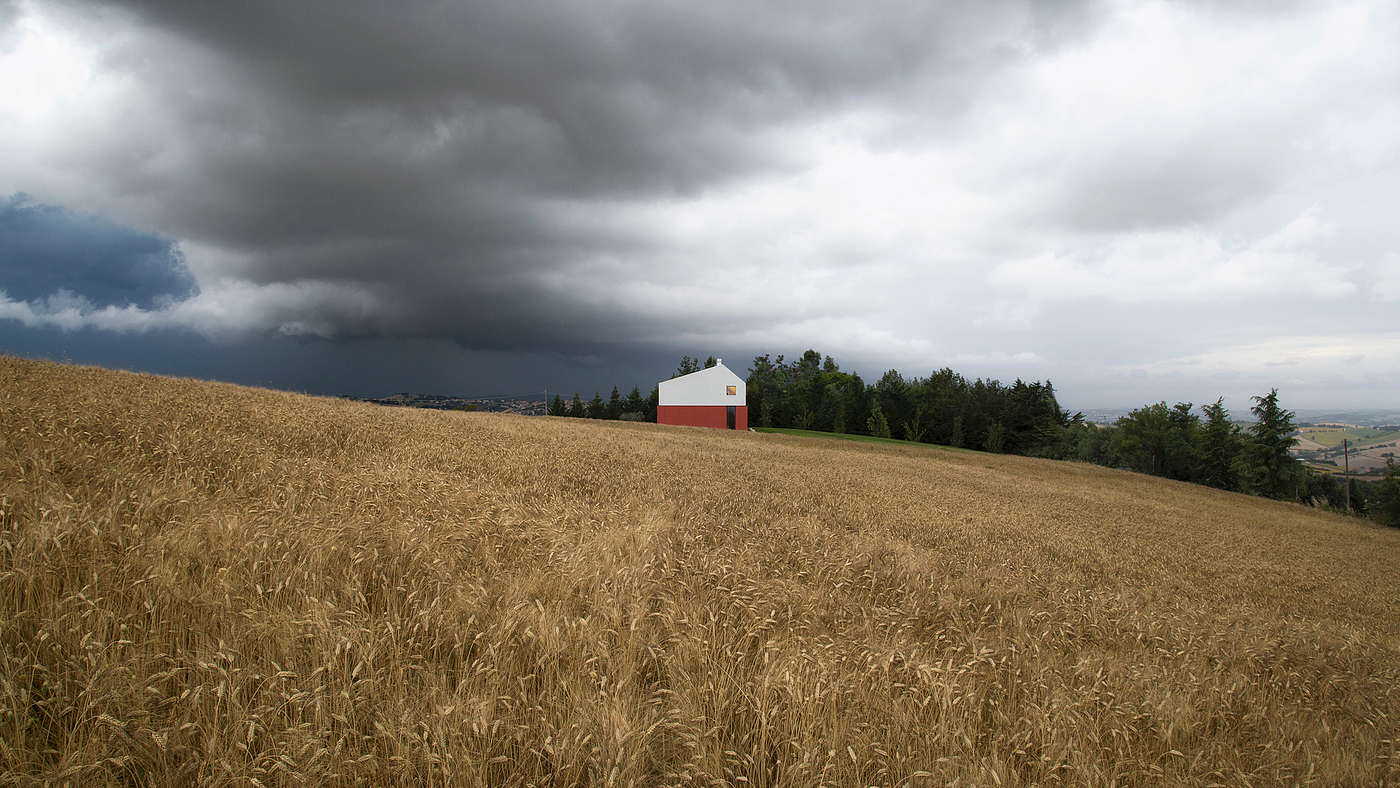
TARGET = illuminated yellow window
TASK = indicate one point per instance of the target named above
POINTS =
(730, 390)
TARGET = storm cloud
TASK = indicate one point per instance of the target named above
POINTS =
(902, 185)
(45, 249)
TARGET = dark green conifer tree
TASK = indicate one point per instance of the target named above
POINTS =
(1265, 465)
(1219, 445)
(635, 403)
(687, 366)
(613, 412)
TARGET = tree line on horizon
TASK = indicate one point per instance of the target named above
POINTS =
(945, 408)
(633, 407)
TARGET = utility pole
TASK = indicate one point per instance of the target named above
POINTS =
(1346, 460)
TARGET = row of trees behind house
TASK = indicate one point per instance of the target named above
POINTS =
(633, 407)
(945, 408)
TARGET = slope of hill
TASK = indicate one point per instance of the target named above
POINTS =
(201, 583)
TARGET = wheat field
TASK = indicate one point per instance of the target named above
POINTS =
(202, 584)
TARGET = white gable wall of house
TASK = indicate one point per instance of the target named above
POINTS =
(706, 387)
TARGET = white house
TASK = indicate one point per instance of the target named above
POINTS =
(713, 397)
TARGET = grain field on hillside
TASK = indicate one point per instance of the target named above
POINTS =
(202, 584)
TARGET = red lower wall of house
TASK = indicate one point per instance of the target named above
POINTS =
(702, 416)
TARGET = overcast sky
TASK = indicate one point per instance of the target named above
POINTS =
(1135, 200)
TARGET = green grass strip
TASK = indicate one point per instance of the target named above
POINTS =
(863, 438)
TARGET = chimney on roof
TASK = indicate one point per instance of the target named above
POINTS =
(719, 361)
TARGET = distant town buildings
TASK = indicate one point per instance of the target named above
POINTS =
(521, 407)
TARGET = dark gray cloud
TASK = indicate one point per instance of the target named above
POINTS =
(427, 153)
(46, 248)
(616, 96)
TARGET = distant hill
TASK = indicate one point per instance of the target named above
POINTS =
(202, 583)
(1358, 418)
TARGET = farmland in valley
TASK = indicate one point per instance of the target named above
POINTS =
(1370, 449)
(208, 584)
(1330, 437)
